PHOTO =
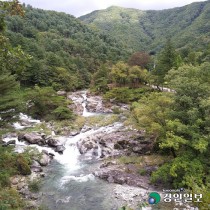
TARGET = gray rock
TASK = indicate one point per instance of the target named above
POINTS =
(61, 93)
(51, 155)
(33, 196)
(36, 169)
(52, 142)
(121, 177)
(109, 163)
(32, 205)
(11, 142)
(74, 133)
(45, 152)
(21, 136)
(21, 185)
(33, 138)
(42, 174)
(85, 129)
(14, 180)
(25, 192)
(60, 148)
(4, 144)
(44, 160)
(35, 163)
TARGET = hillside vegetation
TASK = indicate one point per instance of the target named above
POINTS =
(42, 52)
(187, 26)
(64, 51)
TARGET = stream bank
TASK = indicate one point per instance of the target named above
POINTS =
(85, 167)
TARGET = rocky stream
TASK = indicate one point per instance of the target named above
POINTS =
(80, 171)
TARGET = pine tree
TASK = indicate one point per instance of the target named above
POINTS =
(167, 60)
(9, 98)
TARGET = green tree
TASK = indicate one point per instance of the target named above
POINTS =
(179, 122)
(138, 76)
(167, 59)
(119, 73)
(45, 103)
(100, 79)
(12, 62)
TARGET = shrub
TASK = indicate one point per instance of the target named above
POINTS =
(34, 185)
(4, 179)
(142, 172)
(63, 113)
(126, 95)
(23, 165)
(10, 199)
(123, 95)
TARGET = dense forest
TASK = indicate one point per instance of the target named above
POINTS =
(187, 26)
(64, 52)
(42, 52)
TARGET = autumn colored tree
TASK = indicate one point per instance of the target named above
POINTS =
(141, 59)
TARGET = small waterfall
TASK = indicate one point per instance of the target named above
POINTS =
(84, 104)
(25, 121)
(99, 150)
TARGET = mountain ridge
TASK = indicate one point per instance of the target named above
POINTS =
(148, 29)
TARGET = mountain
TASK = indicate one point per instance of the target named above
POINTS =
(62, 47)
(187, 26)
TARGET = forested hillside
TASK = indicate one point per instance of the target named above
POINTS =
(64, 51)
(187, 26)
(163, 97)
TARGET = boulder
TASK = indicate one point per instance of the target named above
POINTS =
(51, 155)
(25, 192)
(36, 168)
(21, 136)
(21, 185)
(61, 93)
(52, 142)
(60, 149)
(33, 138)
(85, 129)
(74, 133)
(45, 152)
(32, 205)
(44, 160)
(35, 163)
(14, 180)
(121, 177)
(11, 142)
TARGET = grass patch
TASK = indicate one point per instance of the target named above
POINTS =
(35, 185)
(39, 127)
(69, 125)
(10, 199)
(130, 160)
(149, 160)
(101, 120)
(142, 172)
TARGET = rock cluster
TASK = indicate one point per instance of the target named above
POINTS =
(98, 105)
(93, 103)
(20, 183)
(121, 177)
(42, 140)
(77, 99)
(123, 142)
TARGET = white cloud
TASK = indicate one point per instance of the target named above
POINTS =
(81, 7)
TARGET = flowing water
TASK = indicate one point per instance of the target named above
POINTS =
(69, 183)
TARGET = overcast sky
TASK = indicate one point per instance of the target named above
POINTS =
(82, 7)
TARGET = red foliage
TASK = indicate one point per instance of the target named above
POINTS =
(141, 59)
